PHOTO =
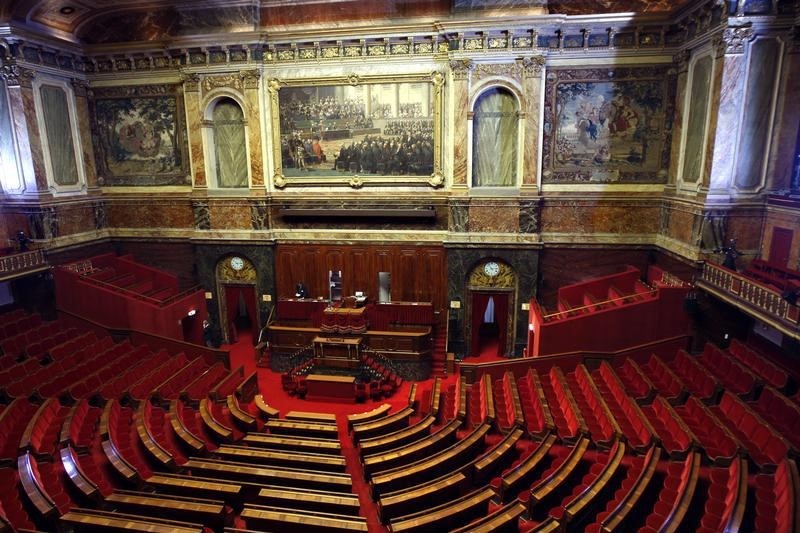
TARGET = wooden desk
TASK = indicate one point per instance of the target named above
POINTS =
(337, 347)
(321, 387)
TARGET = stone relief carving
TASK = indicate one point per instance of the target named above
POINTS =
(733, 40)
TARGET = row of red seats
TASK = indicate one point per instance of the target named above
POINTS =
(79, 366)
(199, 387)
(157, 424)
(601, 424)
(676, 438)
(17, 320)
(13, 422)
(780, 413)
(12, 510)
(19, 371)
(718, 444)
(566, 417)
(538, 420)
(636, 383)
(697, 379)
(766, 369)
(477, 398)
(170, 388)
(679, 487)
(150, 361)
(733, 375)
(142, 388)
(119, 359)
(78, 429)
(627, 414)
(36, 342)
(665, 381)
(504, 400)
(727, 487)
(192, 421)
(20, 332)
(764, 446)
(41, 434)
(123, 437)
(76, 343)
(776, 497)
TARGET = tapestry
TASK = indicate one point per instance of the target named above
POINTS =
(608, 125)
(139, 135)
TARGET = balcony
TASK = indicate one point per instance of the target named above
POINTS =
(17, 264)
(753, 298)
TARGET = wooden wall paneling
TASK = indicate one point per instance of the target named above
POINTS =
(407, 266)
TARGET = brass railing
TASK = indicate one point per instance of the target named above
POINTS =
(22, 263)
(749, 292)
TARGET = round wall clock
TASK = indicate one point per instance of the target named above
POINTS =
(491, 268)
(237, 263)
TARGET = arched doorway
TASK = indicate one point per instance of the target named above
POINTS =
(491, 290)
(238, 305)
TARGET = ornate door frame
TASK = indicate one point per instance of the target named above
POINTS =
(505, 281)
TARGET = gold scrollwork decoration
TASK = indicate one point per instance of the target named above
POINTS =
(504, 279)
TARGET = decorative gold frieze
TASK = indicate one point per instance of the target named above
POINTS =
(461, 68)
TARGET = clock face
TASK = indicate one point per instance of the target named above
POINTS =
(491, 269)
(237, 263)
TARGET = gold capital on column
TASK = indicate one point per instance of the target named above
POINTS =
(461, 68)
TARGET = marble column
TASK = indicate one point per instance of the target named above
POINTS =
(194, 125)
(23, 118)
(682, 60)
(252, 113)
(460, 71)
(730, 70)
(81, 90)
(532, 68)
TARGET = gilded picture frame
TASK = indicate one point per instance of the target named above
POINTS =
(357, 131)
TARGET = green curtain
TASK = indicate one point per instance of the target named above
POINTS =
(230, 144)
(494, 139)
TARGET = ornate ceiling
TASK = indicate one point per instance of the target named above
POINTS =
(115, 21)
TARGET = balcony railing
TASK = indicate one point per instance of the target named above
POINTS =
(22, 263)
(751, 296)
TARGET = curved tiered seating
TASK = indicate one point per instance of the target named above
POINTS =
(13, 421)
(637, 384)
(780, 413)
(568, 420)
(766, 447)
(763, 367)
(535, 409)
(719, 445)
(777, 496)
(601, 423)
(676, 495)
(697, 378)
(676, 437)
(725, 499)
(41, 434)
(633, 424)
(733, 376)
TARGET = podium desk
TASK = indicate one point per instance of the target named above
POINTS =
(337, 347)
(322, 387)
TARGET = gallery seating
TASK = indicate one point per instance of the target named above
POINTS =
(719, 445)
(780, 412)
(697, 378)
(733, 376)
(675, 436)
(760, 365)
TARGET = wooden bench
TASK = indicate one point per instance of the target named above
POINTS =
(283, 519)
(31, 485)
(454, 457)
(181, 485)
(368, 416)
(77, 476)
(412, 397)
(547, 488)
(302, 429)
(436, 398)
(265, 410)
(340, 503)
(407, 454)
(189, 439)
(183, 508)
(417, 498)
(521, 475)
(447, 516)
(247, 390)
(218, 429)
(289, 477)
(222, 388)
(298, 444)
(157, 451)
(304, 416)
(618, 515)
(93, 520)
(293, 459)
(484, 467)
(503, 519)
(397, 439)
(242, 418)
(383, 425)
(597, 488)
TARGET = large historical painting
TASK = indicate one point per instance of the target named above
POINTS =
(608, 125)
(357, 132)
(140, 135)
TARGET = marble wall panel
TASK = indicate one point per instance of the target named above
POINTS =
(230, 215)
(75, 218)
(680, 225)
(493, 218)
(150, 214)
(698, 113)
(746, 228)
(29, 128)
(729, 76)
(577, 217)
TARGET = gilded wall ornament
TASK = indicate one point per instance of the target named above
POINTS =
(492, 275)
(461, 68)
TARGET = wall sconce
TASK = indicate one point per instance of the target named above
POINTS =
(209, 295)
(191, 312)
(455, 304)
(526, 306)
(266, 297)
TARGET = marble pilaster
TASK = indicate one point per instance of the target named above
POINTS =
(460, 71)
(23, 118)
(728, 96)
(194, 119)
(532, 68)
(252, 113)
(682, 60)
(80, 88)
